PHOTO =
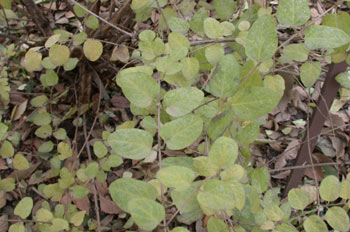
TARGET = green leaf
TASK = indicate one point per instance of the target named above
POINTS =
(139, 88)
(176, 177)
(330, 188)
(131, 143)
(315, 224)
(216, 195)
(182, 161)
(42, 118)
(100, 149)
(182, 101)
(50, 78)
(77, 218)
(186, 200)
(345, 189)
(44, 131)
(24, 207)
(80, 12)
(213, 29)
(224, 8)
(43, 215)
(284, 227)
(178, 25)
(262, 39)
(17, 227)
(204, 167)
(344, 79)
(20, 162)
(70, 64)
(92, 49)
(92, 22)
(254, 102)
(124, 190)
(223, 153)
(78, 191)
(216, 225)
(320, 36)
(179, 229)
(298, 199)
(338, 219)
(169, 65)
(59, 224)
(275, 83)
(39, 101)
(219, 124)
(60, 134)
(182, 131)
(225, 80)
(91, 170)
(7, 150)
(59, 54)
(260, 179)
(273, 213)
(297, 52)
(239, 193)
(197, 21)
(52, 40)
(214, 53)
(309, 73)
(7, 184)
(64, 150)
(79, 38)
(190, 68)
(146, 213)
(340, 20)
(32, 60)
(293, 12)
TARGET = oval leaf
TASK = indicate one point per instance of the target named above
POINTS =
(298, 199)
(315, 224)
(176, 177)
(131, 143)
(181, 101)
(223, 153)
(32, 60)
(213, 29)
(181, 132)
(330, 188)
(309, 73)
(125, 189)
(253, 102)
(320, 36)
(216, 195)
(338, 219)
(147, 214)
(92, 49)
(262, 39)
(59, 54)
(139, 88)
(293, 12)
(24, 207)
(225, 80)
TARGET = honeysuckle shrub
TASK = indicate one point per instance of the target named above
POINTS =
(204, 83)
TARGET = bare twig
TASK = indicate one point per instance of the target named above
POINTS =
(308, 166)
(102, 19)
(211, 41)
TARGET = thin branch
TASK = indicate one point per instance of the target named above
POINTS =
(102, 19)
(308, 166)
(204, 104)
(211, 41)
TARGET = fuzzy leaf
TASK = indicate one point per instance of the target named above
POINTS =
(182, 131)
(320, 36)
(24, 207)
(176, 177)
(330, 188)
(262, 39)
(92, 49)
(293, 12)
(131, 143)
(125, 189)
